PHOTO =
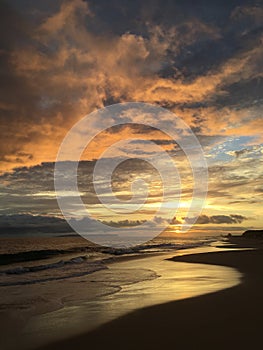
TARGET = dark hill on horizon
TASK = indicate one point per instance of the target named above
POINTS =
(253, 234)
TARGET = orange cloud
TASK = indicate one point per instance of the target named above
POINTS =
(77, 71)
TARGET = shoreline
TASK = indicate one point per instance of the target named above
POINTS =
(227, 318)
(161, 281)
(47, 302)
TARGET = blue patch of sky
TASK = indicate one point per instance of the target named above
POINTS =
(222, 152)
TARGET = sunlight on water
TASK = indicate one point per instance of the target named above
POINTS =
(157, 281)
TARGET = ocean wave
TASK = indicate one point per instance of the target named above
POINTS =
(32, 255)
(60, 275)
(74, 263)
(155, 247)
(21, 270)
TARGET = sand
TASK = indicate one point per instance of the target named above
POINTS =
(228, 319)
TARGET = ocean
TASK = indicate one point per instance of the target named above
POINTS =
(56, 286)
(30, 260)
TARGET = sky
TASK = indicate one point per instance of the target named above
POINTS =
(201, 60)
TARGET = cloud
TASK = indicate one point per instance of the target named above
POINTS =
(65, 68)
(36, 224)
(62, 60)
(248, 13)
(28, 224)
(219, 219)
(70, 12)
(239, 153)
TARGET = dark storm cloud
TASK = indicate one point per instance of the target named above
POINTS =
(130, 14)
(30, 224)
(17, 98)
(233, 21)
(22, 114)
(244, 93)
(35, 224)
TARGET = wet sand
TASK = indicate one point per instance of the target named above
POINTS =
(229, 319)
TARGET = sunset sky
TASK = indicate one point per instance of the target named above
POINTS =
(202, 60)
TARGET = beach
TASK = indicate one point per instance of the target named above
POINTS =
(230, 318)
(201, 296)
(54, 288)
